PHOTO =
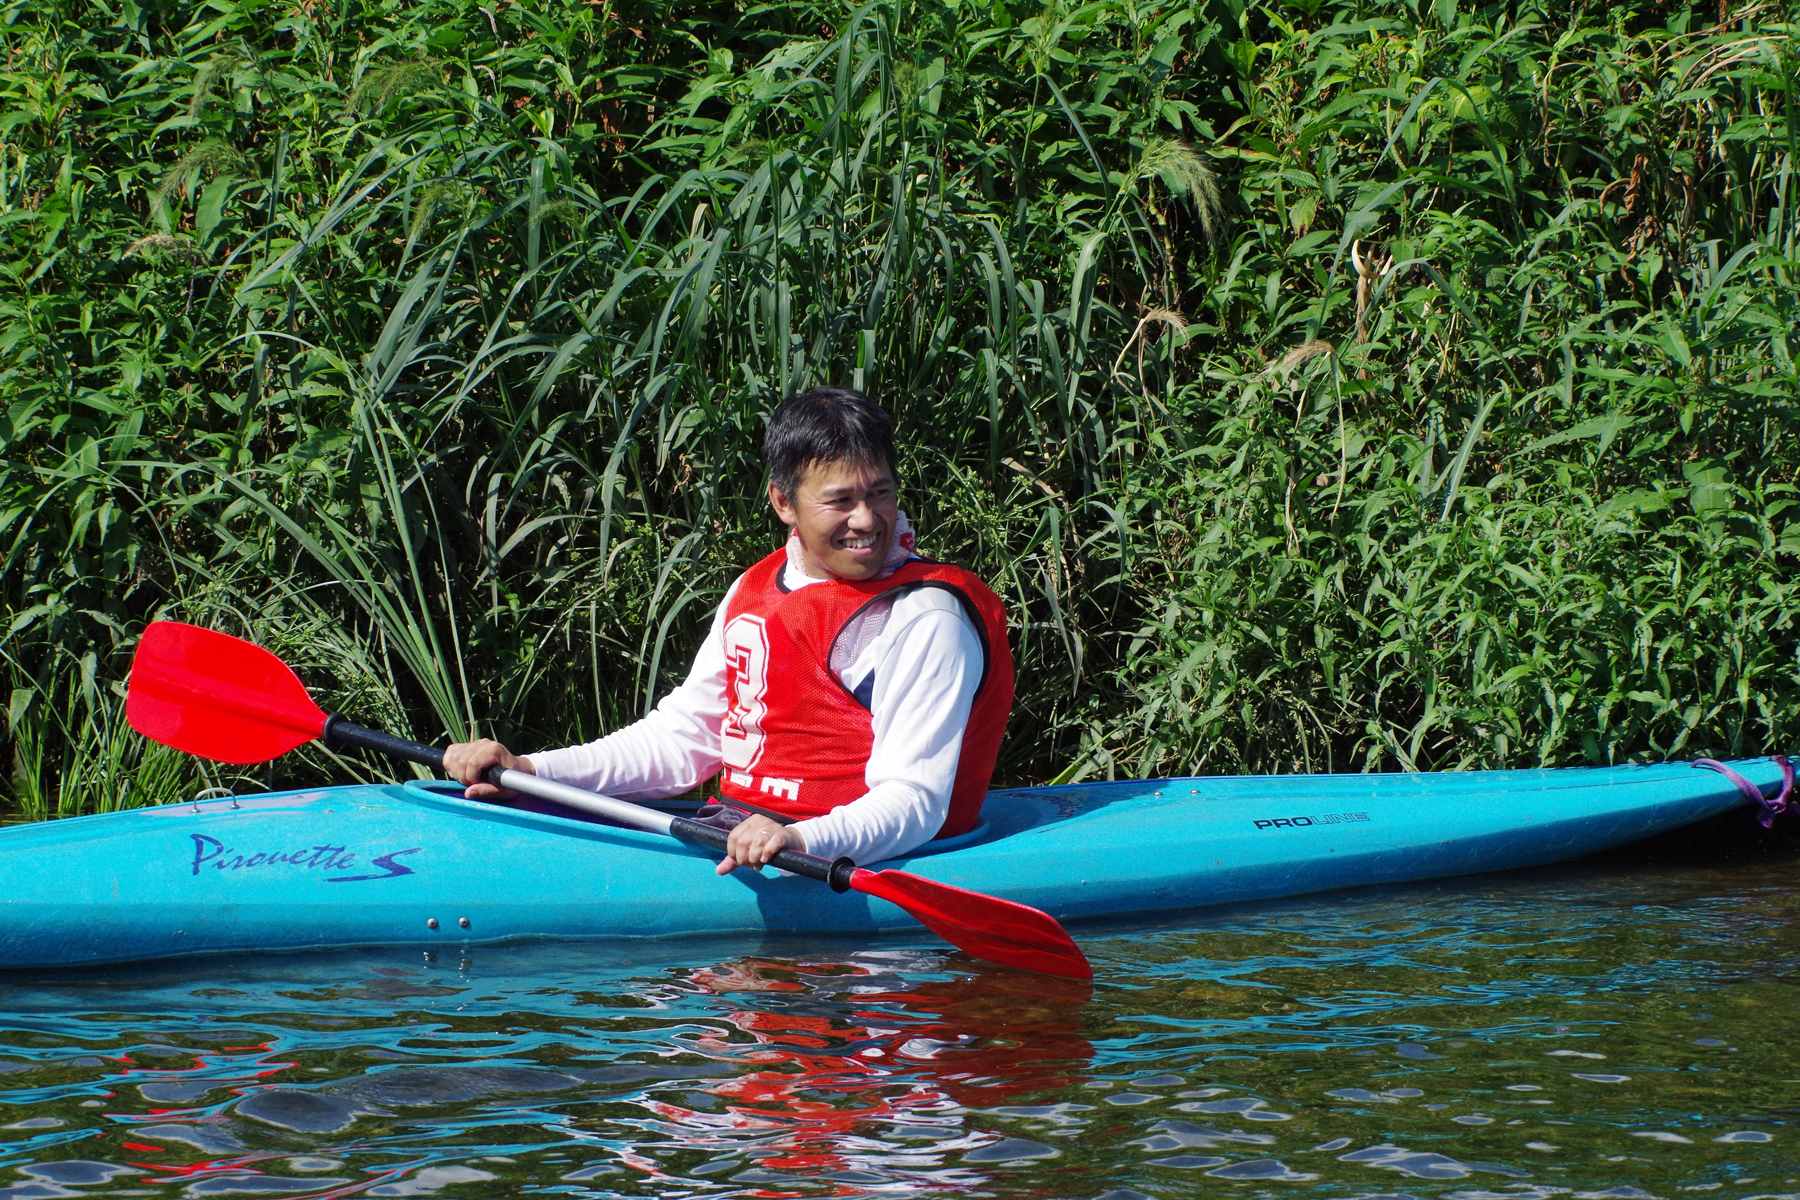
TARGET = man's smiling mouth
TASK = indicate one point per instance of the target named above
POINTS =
(858, 543)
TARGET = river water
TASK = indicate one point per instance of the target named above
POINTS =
(1619, 1029)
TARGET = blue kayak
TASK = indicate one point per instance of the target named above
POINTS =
(418, 864)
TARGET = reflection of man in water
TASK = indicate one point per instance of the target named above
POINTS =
(826, 1071)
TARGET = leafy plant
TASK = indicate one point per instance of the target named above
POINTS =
(1325, 386)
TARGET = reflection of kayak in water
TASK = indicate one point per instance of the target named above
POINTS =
(357, 866)
(830, 1082)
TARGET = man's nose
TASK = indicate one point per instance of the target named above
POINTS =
(862, 517)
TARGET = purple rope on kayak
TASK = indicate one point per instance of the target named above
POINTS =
(1770, 808)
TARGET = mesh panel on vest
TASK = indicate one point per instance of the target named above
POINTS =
(859, 633)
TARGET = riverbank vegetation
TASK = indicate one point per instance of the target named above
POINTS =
(1325, 386)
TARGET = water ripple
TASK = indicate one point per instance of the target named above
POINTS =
(1538, 1035)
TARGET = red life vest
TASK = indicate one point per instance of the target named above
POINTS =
(794, 738)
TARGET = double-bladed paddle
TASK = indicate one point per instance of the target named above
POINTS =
(222, 698)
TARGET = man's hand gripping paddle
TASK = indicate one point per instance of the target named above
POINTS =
(219, 697)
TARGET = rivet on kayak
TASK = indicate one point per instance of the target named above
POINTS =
(431, 922)
(463, 921)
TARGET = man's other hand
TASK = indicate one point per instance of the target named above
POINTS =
(756, 840)
(466, 762)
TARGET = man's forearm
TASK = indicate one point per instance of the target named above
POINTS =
(644, 761)
(889, 820)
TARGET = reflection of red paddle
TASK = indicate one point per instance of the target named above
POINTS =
(833, 1035)
(223, 698)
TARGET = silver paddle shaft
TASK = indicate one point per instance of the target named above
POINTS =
(840, 873)
(624, 812)
(340, 732)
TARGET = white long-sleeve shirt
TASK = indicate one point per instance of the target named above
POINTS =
(917, 669)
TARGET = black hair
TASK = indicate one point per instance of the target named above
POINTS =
(822, 425)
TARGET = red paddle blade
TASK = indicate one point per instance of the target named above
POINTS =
(217, 696)
(986, 926)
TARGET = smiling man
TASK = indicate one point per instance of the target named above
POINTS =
(847, 685)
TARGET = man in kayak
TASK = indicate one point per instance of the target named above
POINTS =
(847, 684)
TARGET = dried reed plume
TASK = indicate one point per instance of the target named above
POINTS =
(565, 211)
(207, 76)
(1140, 337)
(163, 243)
(1184, 172)
(381, 84)
(431, 196)
(1302, 354)
(211, 159)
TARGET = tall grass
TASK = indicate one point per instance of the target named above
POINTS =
(1325, 386)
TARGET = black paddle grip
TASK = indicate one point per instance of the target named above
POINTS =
(836, 872)
(339, 732)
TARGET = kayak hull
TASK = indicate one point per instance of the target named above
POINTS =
(417, 864)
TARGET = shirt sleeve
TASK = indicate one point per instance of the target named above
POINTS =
(670, 750)
(926, 665)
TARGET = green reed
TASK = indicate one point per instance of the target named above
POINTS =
(1325, 386)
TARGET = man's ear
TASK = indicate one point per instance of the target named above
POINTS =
(782, 508)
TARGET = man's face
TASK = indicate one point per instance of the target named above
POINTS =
(845, 514)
